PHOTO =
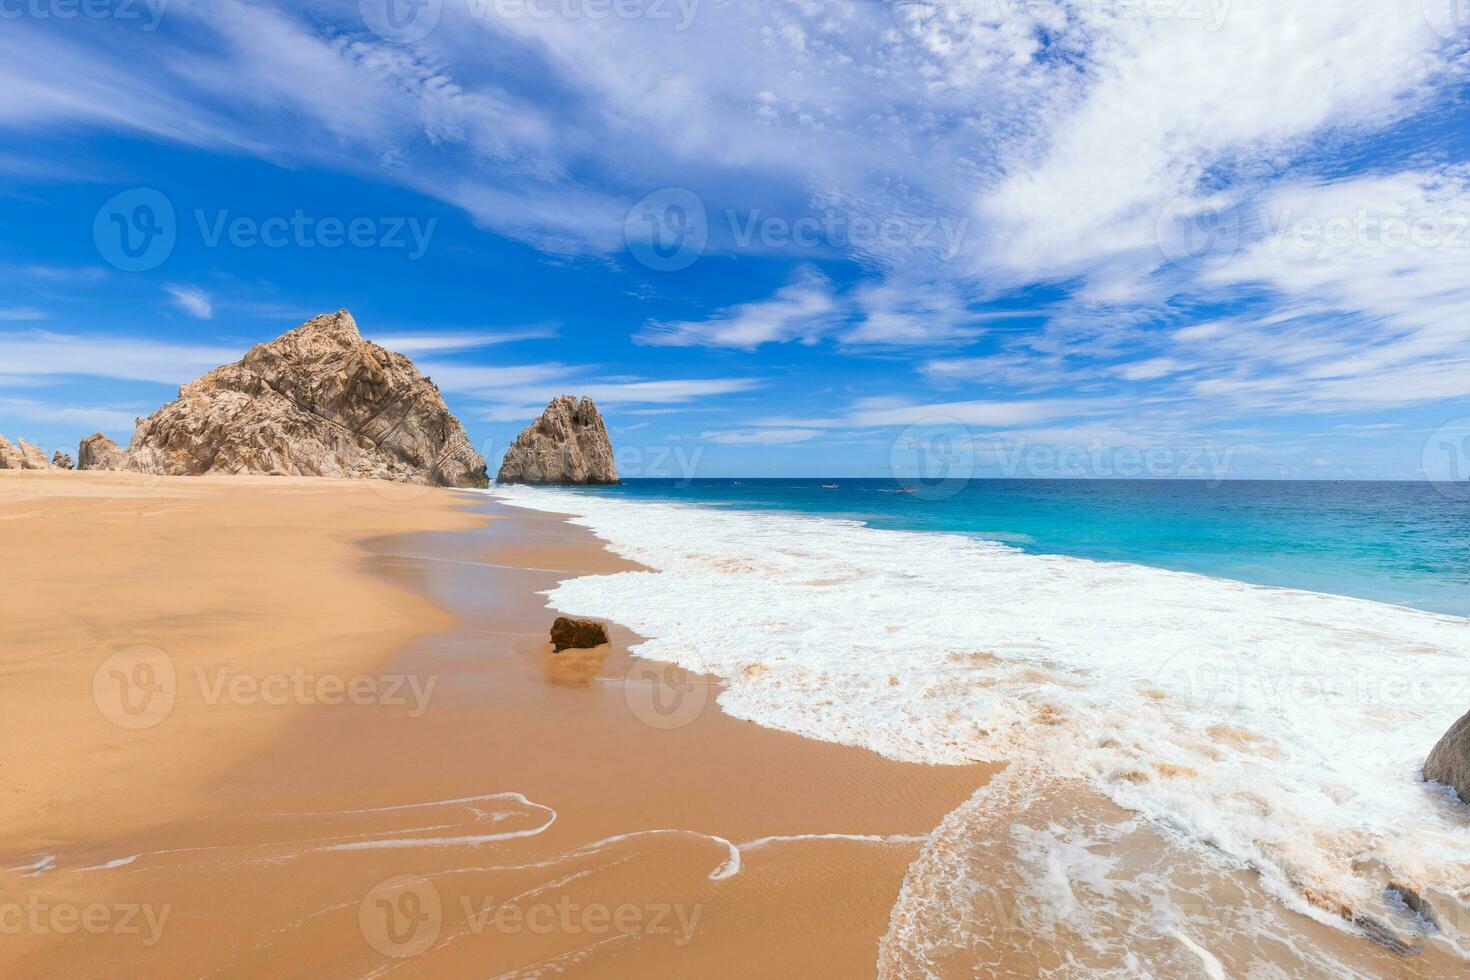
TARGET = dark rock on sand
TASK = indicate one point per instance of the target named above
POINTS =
(61, 460)
(577, 634)
(568, 444)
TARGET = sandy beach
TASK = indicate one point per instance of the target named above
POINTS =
(277, 727)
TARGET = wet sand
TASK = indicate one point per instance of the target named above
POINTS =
(406, 781)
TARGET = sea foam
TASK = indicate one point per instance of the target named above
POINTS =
(1281, 729)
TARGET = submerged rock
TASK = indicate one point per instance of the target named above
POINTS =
(97, 452)
(577, 634)
(1449, 762)
(568, 444)
(317, 401)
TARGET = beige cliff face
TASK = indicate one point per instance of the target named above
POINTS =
(568, 444)
(23, 456)
(317, 401)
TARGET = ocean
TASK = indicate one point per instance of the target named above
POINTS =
(1213, 700)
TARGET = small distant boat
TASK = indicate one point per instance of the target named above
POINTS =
(829, 486)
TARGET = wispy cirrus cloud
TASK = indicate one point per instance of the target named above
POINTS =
(192, 300)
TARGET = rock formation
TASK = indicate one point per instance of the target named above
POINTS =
(1449, 762)
(97, 452)
(567, 444)
(21, 457)
(577, 634)
(317, 401)
(61, 460)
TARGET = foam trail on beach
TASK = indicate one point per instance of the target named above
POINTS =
(1283, 730)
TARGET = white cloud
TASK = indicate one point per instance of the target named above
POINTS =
(40, 352)
(762, 437)
(104, 419)
(22, 313)
(803, 310)
(192, 300)
(413, 344)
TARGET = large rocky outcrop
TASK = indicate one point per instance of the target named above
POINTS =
(21, 457)
(1449, 762)
(568, 444)
(317, 401)
(97, 452)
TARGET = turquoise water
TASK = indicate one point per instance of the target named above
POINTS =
(1404, 543)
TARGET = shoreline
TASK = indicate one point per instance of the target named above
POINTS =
(525, 775)
(806, 666)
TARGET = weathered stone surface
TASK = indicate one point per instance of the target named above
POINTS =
(317, 401)
(61, 460)
(568, 444)
(21, 455)
(577, 634)
(1449, 762)
(97, 452)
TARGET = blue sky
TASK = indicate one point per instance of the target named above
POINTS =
(1104, 237)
